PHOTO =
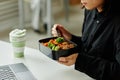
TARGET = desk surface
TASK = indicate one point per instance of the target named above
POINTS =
(42, 67)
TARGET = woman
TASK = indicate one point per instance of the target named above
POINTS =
(99, 45)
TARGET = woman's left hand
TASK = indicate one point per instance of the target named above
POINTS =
(69, 60)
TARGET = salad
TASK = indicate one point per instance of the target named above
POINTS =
(58, 43)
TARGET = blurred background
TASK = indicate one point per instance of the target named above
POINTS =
(29, 14)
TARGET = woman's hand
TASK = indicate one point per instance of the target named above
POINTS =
(62, 31)
(70, 60)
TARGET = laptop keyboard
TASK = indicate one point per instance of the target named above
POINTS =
(6, 73)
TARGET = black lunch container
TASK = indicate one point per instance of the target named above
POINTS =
(55, 54)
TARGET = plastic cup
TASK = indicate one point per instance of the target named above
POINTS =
(18, 40)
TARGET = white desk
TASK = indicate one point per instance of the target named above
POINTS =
(42, 67)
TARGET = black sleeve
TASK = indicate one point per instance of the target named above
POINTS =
(76, 39)
(98, 68)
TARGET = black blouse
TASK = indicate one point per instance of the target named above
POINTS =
(99, 46)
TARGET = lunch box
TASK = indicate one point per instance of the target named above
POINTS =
(55, 54)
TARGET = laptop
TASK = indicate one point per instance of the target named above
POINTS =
(17, 71)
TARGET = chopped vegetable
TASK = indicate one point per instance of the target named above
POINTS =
(53, 47)
(50, 45)
(59, 39)
(56, 48)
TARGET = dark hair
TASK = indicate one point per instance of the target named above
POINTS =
(111, 7)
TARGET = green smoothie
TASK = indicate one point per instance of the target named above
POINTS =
(18, 40)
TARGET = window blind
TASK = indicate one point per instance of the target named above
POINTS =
(8, 13)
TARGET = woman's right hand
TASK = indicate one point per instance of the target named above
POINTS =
(59, 29)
